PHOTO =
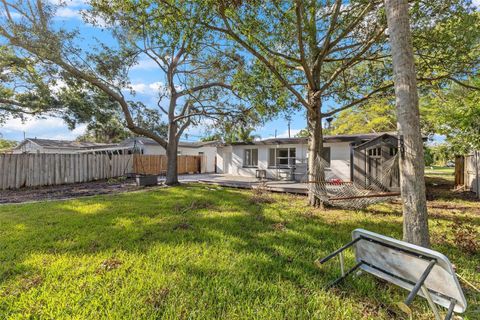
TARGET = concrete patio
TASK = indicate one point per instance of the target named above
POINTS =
(232, 181)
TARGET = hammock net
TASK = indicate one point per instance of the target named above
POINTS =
(352, 195)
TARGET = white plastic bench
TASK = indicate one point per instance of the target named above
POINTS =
(419, 270)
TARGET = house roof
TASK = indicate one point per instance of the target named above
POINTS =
(151, 142)
(327, 138)
(64, 144)
(373, 141)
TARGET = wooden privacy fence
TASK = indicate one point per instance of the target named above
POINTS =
(157, 164)
(34, 170)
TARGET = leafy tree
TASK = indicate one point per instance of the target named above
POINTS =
(441, 154)
(105, 130)
(376, 116)
(111, 127)
(429, 157)
(25, 86)
(196, 69)
(30, 86)
(332, 56)
(7, 144)
(302, 134)
(455, 113)
(230, 133)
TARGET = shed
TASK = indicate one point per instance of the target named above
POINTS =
(372, 162)
(467, 172)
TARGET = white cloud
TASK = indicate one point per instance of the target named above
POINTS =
(150, 89)
(476, 3)
(47, 128)
(69, 9)
(68, 13)
(139, 87)
(69, 3)
(32, 123)
(156, 86)
(145, 64)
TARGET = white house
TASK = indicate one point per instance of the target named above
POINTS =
(34, 145)
(148, 146)
(286, 158)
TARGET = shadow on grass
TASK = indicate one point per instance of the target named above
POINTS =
(266, 242)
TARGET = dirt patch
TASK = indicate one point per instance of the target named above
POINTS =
(67, 191)
(442, 196)
(109, 265)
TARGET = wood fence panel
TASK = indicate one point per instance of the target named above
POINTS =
(2, 171)
(157, 164)
(44, 176)
(6, 161)
(33, 170)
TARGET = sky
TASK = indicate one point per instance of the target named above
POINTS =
(145, 81)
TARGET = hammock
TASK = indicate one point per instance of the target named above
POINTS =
(350, 194)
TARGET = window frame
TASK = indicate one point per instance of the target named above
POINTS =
(291, 160)
(252, 164)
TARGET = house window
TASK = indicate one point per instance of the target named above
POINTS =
(250, 158)
(393, 151)
(282, 157)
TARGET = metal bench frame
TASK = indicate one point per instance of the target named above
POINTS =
(363, 235)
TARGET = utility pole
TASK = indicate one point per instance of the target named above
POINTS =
(289, 129)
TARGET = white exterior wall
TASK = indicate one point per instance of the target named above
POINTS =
(224, 155)
(209, 154)
(152, 150)
(230, 160)
(339, 161)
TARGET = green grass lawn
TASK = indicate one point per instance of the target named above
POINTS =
(199, 252)
(443, 172)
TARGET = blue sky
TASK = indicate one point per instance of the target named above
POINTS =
(145, 81)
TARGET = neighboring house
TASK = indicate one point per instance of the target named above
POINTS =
(148, 146)
(35, 145)
(286, 158)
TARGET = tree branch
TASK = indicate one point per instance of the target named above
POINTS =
(259, 56)
(358, 101)
(203, 87)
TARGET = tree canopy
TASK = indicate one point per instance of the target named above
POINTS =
(332, 56)
(455, 113)
(195, 70)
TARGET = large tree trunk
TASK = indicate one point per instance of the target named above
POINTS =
(412, 180)
(315, 146)
(172, 154)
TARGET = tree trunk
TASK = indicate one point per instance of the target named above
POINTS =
(315, 145)
(412, 180)
(172, 154)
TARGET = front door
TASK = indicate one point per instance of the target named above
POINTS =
(374, 165)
